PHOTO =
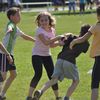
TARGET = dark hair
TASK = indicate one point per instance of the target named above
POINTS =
(12, 11)
(84, 29)
(98, 11)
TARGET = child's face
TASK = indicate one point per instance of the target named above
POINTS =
(44, 21)
(16, 18)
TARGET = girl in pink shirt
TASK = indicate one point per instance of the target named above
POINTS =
(41, 55)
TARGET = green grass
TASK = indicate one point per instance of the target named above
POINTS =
(22, 53)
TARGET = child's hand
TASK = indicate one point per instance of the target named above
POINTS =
(9, 30)
(60, 36)
(66, 36)
(61, 43)
(10, 59)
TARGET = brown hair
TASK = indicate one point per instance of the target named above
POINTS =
(51, 18)
(12, 11)
(84, 29)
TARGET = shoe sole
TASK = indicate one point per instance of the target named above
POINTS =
(36, 95)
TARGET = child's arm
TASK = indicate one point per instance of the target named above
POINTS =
(51, 40)
(4, 49)
(57, 43)
(10, 29)
(6, 52)
(80, 39)
(27, 37)
(61, 41)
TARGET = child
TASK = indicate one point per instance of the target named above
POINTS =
(94, 53)
(66, 64)
(45, 38)
(12, 31)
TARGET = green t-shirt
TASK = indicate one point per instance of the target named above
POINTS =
(10, 37)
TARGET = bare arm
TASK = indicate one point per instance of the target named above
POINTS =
(49, 41)
(80, 39)
(55, 44)
(61, 41)
(3, 49)
(27, 37)
(6, 52)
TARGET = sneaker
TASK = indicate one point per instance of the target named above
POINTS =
(66, 98)
(2, 98)
(58, 98)
(29, 98)
(34, 98)
(37, 95)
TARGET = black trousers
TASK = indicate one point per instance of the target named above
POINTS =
(96, 73)
(38, 62)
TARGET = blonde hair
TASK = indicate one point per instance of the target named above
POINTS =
(51, 18)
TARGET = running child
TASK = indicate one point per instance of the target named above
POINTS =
(12, 32)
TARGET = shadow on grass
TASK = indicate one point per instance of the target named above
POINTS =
(77, 13)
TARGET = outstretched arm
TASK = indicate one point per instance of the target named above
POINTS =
(27, 37)
(80, 39)
(57, 43)
(51, 40)
(61, 41)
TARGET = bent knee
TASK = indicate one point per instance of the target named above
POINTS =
(54, 80)
(76, 82)
(13, 76)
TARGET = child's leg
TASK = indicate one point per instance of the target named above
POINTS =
(72, 88)
(3, 72)
(37, 66)
(49, 66)
(2, 78)
(4, 75)
(31, 89)
(95, 79)
(1, 82)
(8, 82)
(52, 82)
(47, 85)
(94, 94)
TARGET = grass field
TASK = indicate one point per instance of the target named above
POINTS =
(65, 23)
